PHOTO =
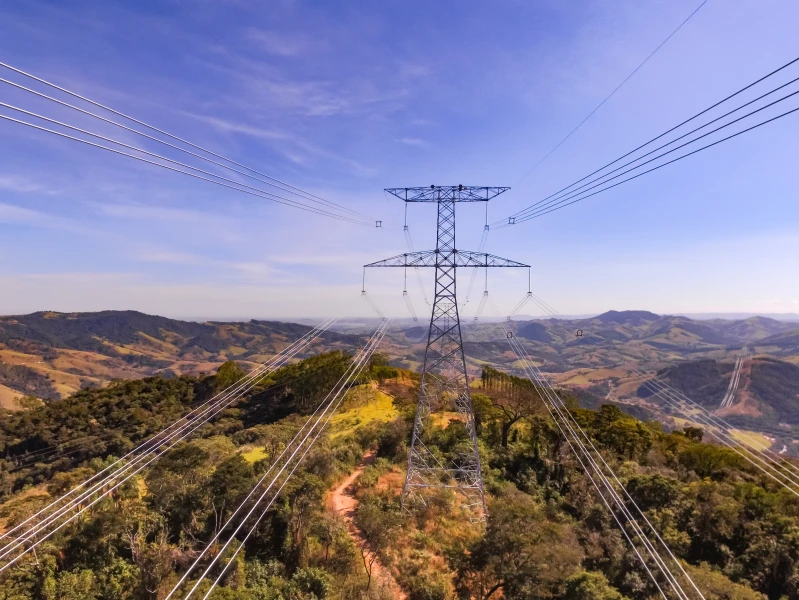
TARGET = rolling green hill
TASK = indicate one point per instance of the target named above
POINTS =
(50, 355)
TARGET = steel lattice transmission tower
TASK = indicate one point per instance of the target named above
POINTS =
(444, 383)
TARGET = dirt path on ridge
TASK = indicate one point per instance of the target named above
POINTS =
(342, 499)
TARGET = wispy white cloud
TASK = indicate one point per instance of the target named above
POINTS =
(168, 257)
(298, 144)
(10, 213)
(228, 126)
(158, 213)
(410, 141)
(282, 44)
(193, 223)
(243, 271)
(16, 183)
(409, 69)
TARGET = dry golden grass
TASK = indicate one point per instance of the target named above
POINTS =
(362, 406)
(8, 398)
(253, 454)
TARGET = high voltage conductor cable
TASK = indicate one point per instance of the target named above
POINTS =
(648, 545)
(263, 478)
(83, 441)
(582, 453)
(209, 406)
(36, 530)
(407, 298)
(725, 426)
(288, 189)
(765, 462)
(338, 398)
(294, 203)
(35, 535)
(757, 457)
(562, 410)
(746, 452)
(290, 203)
(748, 455)
(675, 400)
(483, 241)
(282, 485)
(720, 102)
(674, 141)
(409, 242)
(324, 406)
(562, 204)
(574, 193)
(151, 127)
(707, 419)
(609, 96)
(24, 460)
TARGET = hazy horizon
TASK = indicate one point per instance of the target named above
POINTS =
(422, 320)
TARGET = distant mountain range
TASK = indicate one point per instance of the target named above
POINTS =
(49, 355)
(615, 336)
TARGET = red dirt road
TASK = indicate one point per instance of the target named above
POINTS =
(344, 502)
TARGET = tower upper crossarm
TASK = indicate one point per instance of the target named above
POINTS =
(447, 193)
(456, 258)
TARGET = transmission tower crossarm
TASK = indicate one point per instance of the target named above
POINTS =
(447, 193)
(456, 258)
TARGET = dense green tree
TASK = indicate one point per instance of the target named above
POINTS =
(523, 554)
(227, 374)
(590, 585)
(512, 399)
(379, 522)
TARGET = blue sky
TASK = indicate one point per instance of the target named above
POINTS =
(346, 98)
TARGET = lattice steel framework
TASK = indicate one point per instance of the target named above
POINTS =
(444, 383)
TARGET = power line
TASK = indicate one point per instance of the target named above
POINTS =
(609, 96)
(563, 203)
(287, 189)
(536, 215)
(352, 371)
(191, 422)
(555, 196)
(520, 215)
(151, 127)
(763, 460)
(337, 398)
(291, 203)
(677, 139)
(579, 443)
(294, 203)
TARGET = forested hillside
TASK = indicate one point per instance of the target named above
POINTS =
(548, 536)
(51, 355)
